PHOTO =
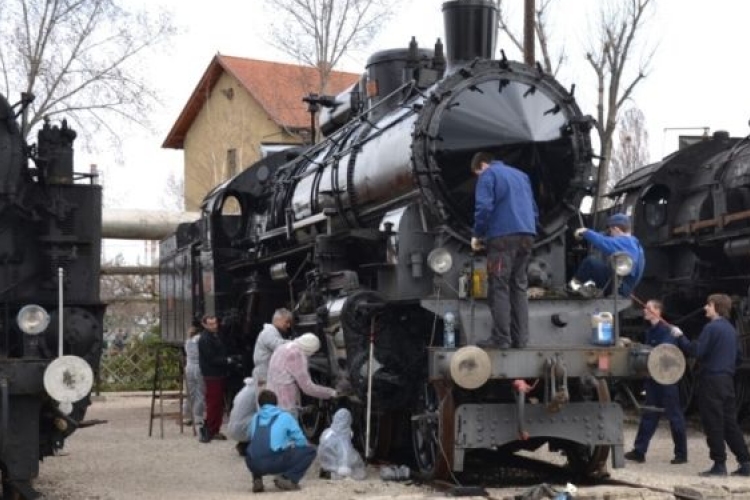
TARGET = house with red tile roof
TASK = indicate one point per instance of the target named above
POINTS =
(241, 110)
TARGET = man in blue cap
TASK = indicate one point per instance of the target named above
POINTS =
(595, 271)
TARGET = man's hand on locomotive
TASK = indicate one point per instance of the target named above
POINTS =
(476, 244)
(676, 332)
(579, 233)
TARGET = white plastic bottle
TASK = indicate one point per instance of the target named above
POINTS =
(449, 332)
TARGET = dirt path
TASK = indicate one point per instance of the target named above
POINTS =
(118, 461)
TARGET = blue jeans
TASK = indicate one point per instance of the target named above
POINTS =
(292, 463)
(598, 271)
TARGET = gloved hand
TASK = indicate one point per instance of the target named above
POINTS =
(579, 233)
(476, 244)
(676, 332)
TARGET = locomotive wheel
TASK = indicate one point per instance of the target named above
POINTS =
(591, 462)
(433, 431)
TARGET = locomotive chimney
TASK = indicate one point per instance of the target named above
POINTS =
(470, 30)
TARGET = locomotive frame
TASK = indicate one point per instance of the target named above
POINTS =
(50, 221)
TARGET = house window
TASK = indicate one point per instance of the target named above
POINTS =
(232, 162)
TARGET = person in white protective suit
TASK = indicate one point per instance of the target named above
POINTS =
(244, 406)
(336, 453)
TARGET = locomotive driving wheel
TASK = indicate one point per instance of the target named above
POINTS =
(433, 431)
(591, 461)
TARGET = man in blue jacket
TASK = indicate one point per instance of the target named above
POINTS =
(277, 446)
(660, 396)
(505, 218)
(599, 271)
(717, 354)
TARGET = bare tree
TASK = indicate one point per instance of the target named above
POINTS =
(630, 152)
(81, 59)
(319, 33)
(610, 56)
(551, 63)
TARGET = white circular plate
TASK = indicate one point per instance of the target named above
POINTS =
(470, 367)
(666, 364)
(68, 379)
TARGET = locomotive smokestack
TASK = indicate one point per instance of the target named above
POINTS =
(470, 30)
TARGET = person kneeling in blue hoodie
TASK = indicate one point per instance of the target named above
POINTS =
(277, 446)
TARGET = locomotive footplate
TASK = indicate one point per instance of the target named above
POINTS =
(493, 425)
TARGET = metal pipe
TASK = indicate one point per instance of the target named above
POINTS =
(5, 418)
(60, 275)
(368, 451)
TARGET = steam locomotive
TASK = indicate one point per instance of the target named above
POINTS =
(691, 212)
(50, 222)
(365, 236)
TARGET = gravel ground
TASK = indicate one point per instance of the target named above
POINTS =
(118, 461)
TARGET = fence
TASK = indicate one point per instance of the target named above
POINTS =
(132, 367)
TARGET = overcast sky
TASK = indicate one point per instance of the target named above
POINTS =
(699, 74)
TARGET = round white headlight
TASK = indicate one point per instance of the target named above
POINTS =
(440, 260)
(32, 319)
(622, 263)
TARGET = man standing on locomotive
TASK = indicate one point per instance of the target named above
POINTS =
(598, 272)
(505, 219)
(718, 354)
(660, 396)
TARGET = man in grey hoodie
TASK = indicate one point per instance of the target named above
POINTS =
(271, 337)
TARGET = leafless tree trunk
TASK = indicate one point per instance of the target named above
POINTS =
(81, 59)
(620, 23)
(630, 152)
(319, 33)
(551, 63)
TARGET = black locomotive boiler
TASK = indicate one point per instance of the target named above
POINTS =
(365, 237)
(50, 228)
(691, 212)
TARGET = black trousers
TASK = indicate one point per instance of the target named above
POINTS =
(718, 411)
(507, 260)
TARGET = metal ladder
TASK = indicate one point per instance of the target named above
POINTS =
(166, 358)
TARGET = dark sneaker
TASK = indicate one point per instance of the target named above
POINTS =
(678, 461)
(258, 486)
(635, 456)
(241, 448)
(743, 470)
(718, 470)
(219, 437)
(285, 484)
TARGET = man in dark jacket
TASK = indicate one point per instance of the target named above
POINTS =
(505, 218)
(214, 364)
(660, 396)
(717, 353)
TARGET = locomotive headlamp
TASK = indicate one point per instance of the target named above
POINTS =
(622, 263)
(32, 319)
(440, 260)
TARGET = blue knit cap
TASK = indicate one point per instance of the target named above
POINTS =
(618, 220)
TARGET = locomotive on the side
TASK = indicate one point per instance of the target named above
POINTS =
(50, 238)
(365, 236)
(691, 213)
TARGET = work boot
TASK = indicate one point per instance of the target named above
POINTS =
(203, 435)
(718, 470)
(285, 484)
(743, 470)
(679, 460)
(635, 456)
(492, 344)
(258, 485)
(219, 436)
(241, 448)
